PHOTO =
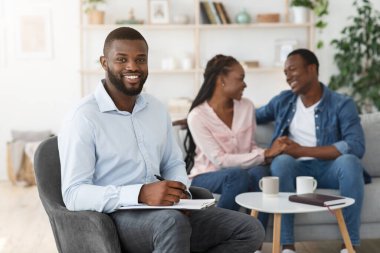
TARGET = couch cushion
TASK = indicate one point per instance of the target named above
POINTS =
(179, 136)
(371, 159)
(263, 134)
(30, 136)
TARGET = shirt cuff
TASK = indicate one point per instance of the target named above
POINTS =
(342, 147)
(261, 155)
(129, 195)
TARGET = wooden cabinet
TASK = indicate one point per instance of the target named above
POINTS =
(178, 53)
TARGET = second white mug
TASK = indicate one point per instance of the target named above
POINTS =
(306, 184)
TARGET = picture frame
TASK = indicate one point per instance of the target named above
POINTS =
(283, 48)
(33, 34)
(159, 12)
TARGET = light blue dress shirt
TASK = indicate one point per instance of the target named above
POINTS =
(107, 155)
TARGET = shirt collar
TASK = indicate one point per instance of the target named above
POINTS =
(106, 103)
(325, 96)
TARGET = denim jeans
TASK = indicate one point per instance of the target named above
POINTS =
(344, 173)
(230, 182)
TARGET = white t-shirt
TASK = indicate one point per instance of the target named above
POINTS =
(302, 127)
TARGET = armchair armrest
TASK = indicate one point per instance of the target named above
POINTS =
(84, 231)
(200, 193)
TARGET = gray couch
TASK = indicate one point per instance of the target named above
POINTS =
(322, 225)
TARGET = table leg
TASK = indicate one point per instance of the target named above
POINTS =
(276, 233)
(343, 230)
(254, 213)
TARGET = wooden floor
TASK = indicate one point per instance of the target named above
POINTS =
(24, 226)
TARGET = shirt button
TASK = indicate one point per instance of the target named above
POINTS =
(316, 115)
(317, 127)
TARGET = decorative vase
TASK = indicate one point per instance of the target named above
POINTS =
(300, 14)
(95, 17)
(243, 17)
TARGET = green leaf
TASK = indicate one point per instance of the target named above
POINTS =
(357, 56)
(320, 44)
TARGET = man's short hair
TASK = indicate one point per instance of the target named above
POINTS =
(122, 33)
(308, 56)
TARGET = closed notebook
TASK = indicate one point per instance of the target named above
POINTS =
(317, 199)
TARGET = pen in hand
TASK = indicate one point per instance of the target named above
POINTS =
(159, 177)
(163, 179)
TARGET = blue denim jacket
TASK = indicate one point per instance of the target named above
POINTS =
(336, 120)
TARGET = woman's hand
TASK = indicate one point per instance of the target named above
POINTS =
(278, 146)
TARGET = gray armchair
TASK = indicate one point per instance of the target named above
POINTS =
(79, 231)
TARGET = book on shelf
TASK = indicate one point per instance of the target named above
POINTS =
(204, 16)
(317, 199)
(214, 12)
(225, 14)
(218, 7)
(209, 12)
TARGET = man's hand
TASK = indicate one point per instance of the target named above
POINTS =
(277, 148)
(292, 148)
(296, 150)
(163, 193)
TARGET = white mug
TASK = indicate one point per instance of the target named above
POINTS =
(269, 186)
(306, 185)
(186, 63)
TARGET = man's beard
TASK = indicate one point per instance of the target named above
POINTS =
(118, 83)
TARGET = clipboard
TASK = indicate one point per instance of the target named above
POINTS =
(183, 204)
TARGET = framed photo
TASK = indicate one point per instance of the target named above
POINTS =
(283, 48)
(159, 11)
(33, 33)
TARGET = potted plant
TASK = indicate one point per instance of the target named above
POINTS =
(300, 13)
(300, 10)
(358, 58)
(94, 14)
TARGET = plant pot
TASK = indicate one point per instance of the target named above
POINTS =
(95, 17)
(300, 14)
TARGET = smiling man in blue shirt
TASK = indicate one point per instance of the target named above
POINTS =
(324, 139)
(113, 144)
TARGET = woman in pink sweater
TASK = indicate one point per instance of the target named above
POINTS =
(222, 155)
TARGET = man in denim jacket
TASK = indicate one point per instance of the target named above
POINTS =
(324, 140)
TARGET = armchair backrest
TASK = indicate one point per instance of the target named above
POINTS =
(74, 231)
(48, 174)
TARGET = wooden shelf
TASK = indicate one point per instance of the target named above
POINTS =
(140, 27)
(254, 25)
(200, 41)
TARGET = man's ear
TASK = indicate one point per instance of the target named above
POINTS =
(103, 61)
(313, 68)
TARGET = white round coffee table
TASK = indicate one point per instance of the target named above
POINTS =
(258, 202)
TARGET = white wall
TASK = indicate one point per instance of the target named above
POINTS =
(35, 94)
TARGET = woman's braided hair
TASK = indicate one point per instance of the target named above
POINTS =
(218, 65)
